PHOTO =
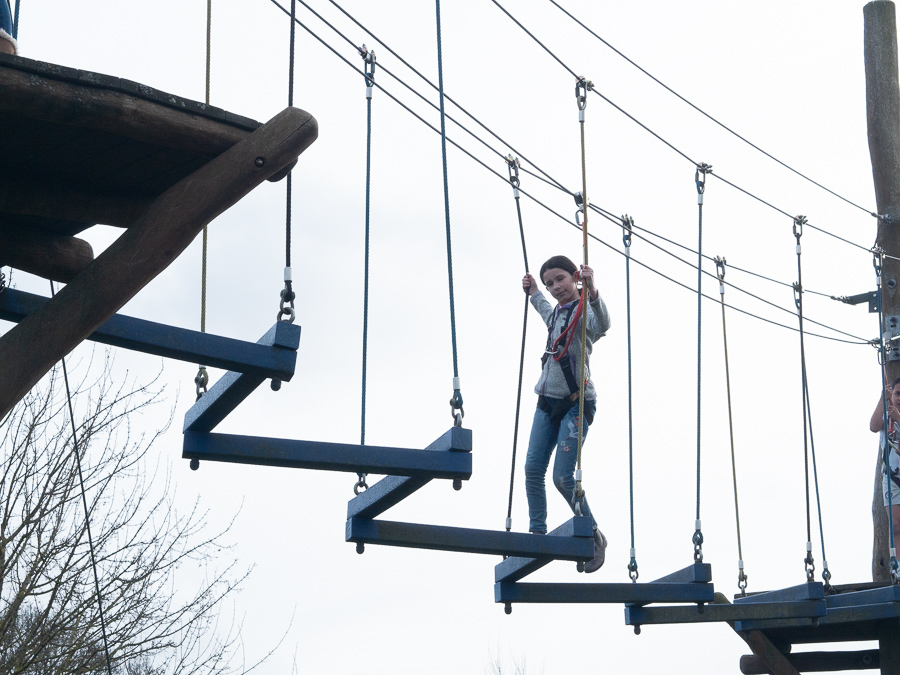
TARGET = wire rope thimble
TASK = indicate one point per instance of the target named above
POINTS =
(697, 540)
(368, 68)
(810, 564)
(700, 174)
(742, 578)
(512, 163)
(633, 567)
(361, 485)
(201, 380)
(456, 405)
(627, 225)
(579, 214)
(582, 87)
(287, 295)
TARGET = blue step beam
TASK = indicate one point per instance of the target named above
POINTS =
(275, 359)
(468, 540)
(449, 457)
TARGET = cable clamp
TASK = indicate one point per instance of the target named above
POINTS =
(582, 87)
(700, 174)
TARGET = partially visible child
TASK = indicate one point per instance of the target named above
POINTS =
(556, 417)
(7, 42)
(891, 480)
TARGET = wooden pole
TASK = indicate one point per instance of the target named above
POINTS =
(166, 228)
(883, 121)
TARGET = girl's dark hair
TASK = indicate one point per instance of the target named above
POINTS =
(558, 262)
(895, 383)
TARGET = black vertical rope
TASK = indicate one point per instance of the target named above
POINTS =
(456, 402)
(799, 221)
(87, 517)
(826, 573)
(700, 181)
(513, 165)
(628, 223)
(369, 76)
(15, 25)
(287, 226)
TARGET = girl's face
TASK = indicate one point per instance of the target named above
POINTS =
(895, 396)
(561, 286)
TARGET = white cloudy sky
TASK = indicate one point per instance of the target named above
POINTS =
(788, 76)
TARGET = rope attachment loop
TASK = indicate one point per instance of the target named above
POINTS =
(703, 169)
(627, 228)
(697, 539)
(512, 163)
(286, 306)
(201, 380)
(582, 87)
(456, 404)
(368, 57)
(579, 214)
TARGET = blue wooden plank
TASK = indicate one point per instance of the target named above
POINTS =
(181, 344)
(515, 568)
(384, 494)
(698, 573)
(866, 597)
(508, 592)
(233, 387)
(639, 616)
(467, 540)
(327, 456)
(857, 613)
(810, 591)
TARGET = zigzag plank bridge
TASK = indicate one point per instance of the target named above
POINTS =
(95, 149)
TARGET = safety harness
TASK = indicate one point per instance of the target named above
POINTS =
(555, 407)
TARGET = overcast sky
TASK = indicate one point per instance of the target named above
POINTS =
(787, 76)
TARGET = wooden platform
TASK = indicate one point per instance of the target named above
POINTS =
(82, 148)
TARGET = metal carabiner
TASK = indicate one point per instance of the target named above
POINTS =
(580, 203)
(627, 225)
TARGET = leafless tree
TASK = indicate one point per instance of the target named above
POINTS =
(157, 622)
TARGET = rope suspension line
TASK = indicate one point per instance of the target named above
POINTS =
(826, 573)
(286, 310)
(627, 227)
(456, 402)
(742, 576)
(513, 166)
(87, 516)
(201, 379)
(563, 218)
(369, 76)
(582, 87)
(878, 262)
(809, 562)
(700, 173)
(705, 114)
(657, 136)
(15, 25)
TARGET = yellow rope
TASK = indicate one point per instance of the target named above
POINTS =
(585, 299)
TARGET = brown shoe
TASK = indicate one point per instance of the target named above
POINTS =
(599, 558)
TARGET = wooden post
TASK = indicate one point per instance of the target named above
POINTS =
(883, 121)
(158, 236)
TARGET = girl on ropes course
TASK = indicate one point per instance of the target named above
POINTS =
(7, 42)
(556, 417)
(891, 467)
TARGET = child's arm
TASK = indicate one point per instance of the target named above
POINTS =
(876, 424)
(538, 301)
(597, 315)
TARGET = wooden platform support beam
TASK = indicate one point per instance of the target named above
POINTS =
(638, 616)
(468, 540)
(816, 662)
(609, 593)
(449, 457)
(51, 256)
(150, 245)
(272, 358)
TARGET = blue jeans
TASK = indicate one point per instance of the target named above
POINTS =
(545, 436)
(5, 17)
